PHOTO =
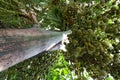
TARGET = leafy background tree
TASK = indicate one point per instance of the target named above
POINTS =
(94, 43)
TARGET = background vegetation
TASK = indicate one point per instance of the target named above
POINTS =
(94, 48)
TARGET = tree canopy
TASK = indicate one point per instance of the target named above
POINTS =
(94, 44)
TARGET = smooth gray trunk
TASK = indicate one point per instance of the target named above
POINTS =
(17, 45)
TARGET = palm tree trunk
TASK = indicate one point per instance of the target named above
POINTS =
(17, 45)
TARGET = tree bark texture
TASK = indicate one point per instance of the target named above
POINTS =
(17, 45)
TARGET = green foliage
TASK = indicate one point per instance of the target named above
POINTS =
(10, 10)
(60, 70)
(19, 13)
(32, 69)
(61, 15)
(49, 66)
(95, 40)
